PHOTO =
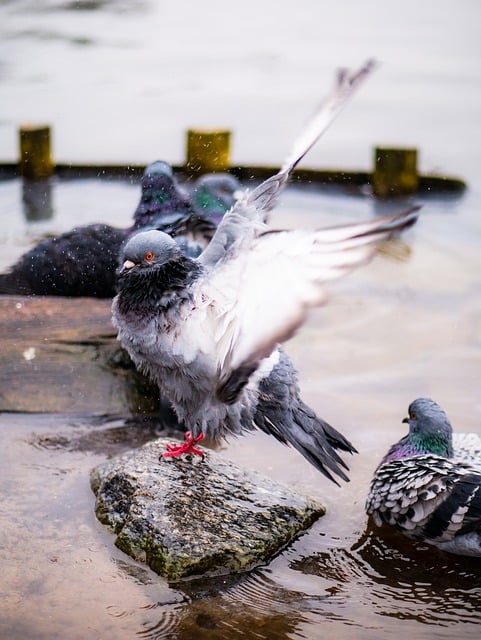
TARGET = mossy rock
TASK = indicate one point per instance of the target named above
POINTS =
(187, 518)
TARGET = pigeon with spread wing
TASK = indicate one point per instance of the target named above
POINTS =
(208, 330)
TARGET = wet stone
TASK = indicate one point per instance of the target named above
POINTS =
(187, 518)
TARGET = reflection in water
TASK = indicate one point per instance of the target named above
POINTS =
(395, 249)
(398, 579)
(418, 582)
(112, 436)
(252, 606)
(37, 199)
(349, 593)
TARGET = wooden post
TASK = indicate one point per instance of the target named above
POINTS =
(207, 150)
(395, 172)
(35, 151)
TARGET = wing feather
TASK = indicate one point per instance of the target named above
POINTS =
(245, 219)
(263, 295)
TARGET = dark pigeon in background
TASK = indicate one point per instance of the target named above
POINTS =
(428, 486)
(161, 198)
(82, 262)
(207, 330)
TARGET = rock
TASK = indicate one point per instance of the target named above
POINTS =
(188, 518)
(60, 355)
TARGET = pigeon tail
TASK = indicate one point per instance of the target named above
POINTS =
(282, 414)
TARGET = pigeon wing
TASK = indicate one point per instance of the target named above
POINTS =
(264, 197)
(252, 208)
(426, 497)
(263, 294)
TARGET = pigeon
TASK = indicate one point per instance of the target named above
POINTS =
(428, 486)
(83, 261)
(80, 262)
(161, 198)
(214, 194)
(208, 330)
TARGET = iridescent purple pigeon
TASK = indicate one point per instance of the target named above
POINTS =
(428, 486)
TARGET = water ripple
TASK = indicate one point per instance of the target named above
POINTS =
(163, 629)
(397, 579)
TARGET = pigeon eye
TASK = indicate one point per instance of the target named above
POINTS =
(149, 256)
(412, 415)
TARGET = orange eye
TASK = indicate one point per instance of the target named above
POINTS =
(413, 415)
(149, 256)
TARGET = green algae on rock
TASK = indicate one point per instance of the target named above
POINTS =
(186, 519)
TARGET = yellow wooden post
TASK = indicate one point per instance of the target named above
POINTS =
(35, 151)
(207, 150)
(395, 172)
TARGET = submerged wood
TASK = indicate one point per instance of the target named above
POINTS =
(188, 518)
(352, 181)
(60, 355)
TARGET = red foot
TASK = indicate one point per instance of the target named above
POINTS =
(176, 450)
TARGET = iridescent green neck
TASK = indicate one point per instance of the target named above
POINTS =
(416, 444)
(431, 443)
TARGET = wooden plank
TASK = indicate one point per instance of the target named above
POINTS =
(60, 355)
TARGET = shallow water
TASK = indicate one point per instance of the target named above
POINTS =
(404, 326)
(121, 82)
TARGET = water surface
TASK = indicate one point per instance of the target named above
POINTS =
(121, 82)
(404, 326)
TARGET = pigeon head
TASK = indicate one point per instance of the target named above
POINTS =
(427, 419)
(155, 174)
(160, 195)
(154, 273)
(148, 250)
(214, 194)
(430, 432)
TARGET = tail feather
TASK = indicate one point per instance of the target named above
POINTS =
(318, 446)
(282, 414)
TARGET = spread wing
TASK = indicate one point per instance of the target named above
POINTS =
(261, 295)
(262, 282)
(245, 220)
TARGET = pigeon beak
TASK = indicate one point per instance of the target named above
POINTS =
(128, 264)
(406, 420)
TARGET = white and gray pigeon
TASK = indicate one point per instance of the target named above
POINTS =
(428, 486)
(208, 330)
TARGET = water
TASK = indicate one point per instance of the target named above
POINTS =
(405, 326)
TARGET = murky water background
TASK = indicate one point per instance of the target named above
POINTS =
(407, 325)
